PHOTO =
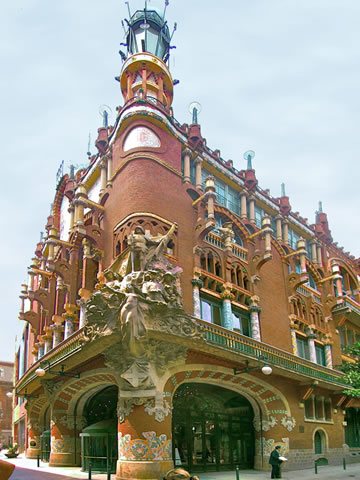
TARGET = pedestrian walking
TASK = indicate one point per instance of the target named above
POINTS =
(275, 462)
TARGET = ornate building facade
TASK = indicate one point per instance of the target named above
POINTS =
(176, 310)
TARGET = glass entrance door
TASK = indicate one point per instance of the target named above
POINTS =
(213, 439)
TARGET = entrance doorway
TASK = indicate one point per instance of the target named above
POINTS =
(212, 429)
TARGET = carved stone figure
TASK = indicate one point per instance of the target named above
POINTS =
(144, 250)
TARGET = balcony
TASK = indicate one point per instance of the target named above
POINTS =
(349, 307)
(216, 241)
(308, 291)
(251, 349)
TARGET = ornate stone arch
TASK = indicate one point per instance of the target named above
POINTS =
(274, 407)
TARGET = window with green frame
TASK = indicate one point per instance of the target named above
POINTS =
(241, 321)
(210, 310)
(303, 347)
(293, 239)
(320, 354)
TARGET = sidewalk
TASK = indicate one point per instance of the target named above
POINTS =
(52, 473)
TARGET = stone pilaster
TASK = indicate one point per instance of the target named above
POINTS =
(311, 342)
(243, 205)
(198, 168)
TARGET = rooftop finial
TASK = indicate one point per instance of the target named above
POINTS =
(248, 156)
(166, 5)
(105, 112)
(194, 109)
(320, 207)
(127, 3)
(72, 171)
(283, 194)
(88, 150)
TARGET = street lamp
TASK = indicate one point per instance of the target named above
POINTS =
(265, 369)
(40, 371)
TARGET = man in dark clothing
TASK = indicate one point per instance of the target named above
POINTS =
(275, 462)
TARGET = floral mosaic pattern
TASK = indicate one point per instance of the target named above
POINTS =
(152, 448)
(268, 446)
(61, 445)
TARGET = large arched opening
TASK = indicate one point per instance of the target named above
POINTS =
(212, 428)
(99, 437)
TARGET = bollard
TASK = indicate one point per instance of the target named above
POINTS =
(315, 466)
(237, 471)
(109, 471)
(344, 463)
(89, 477)
(38, 461)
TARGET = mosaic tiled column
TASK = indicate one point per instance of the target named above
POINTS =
(57, 330)
(254, 310)
(227, 311)
(70, 318)
(328, 355)
(85, 295)
(40, 346)
(33, 426)
(144, 442)
(62, 438)
(197, 283)
(293, 342)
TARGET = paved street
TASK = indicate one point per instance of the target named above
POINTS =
(27, 470)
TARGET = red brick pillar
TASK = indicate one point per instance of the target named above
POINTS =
(33, 426)
(144, 440)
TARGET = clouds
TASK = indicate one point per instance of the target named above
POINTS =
(278, 77)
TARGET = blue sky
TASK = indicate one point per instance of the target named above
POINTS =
(280, 77)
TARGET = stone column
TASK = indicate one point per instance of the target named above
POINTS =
(197, 283)
(103, 179)
(227, 322)
(278, 219)
(210, 195)
(319, 255)
(198, 167)
(80, 203)
(311, 336)
(302, 254)
(109, 170)
(71, 210)
(51, 242)
(48, 340)
(266, 226)
(187, 158)
(252, 209)
(313, 251)
(336, 271)
(243, 205)
(254, 310)
(144, 439)
(286, 231)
